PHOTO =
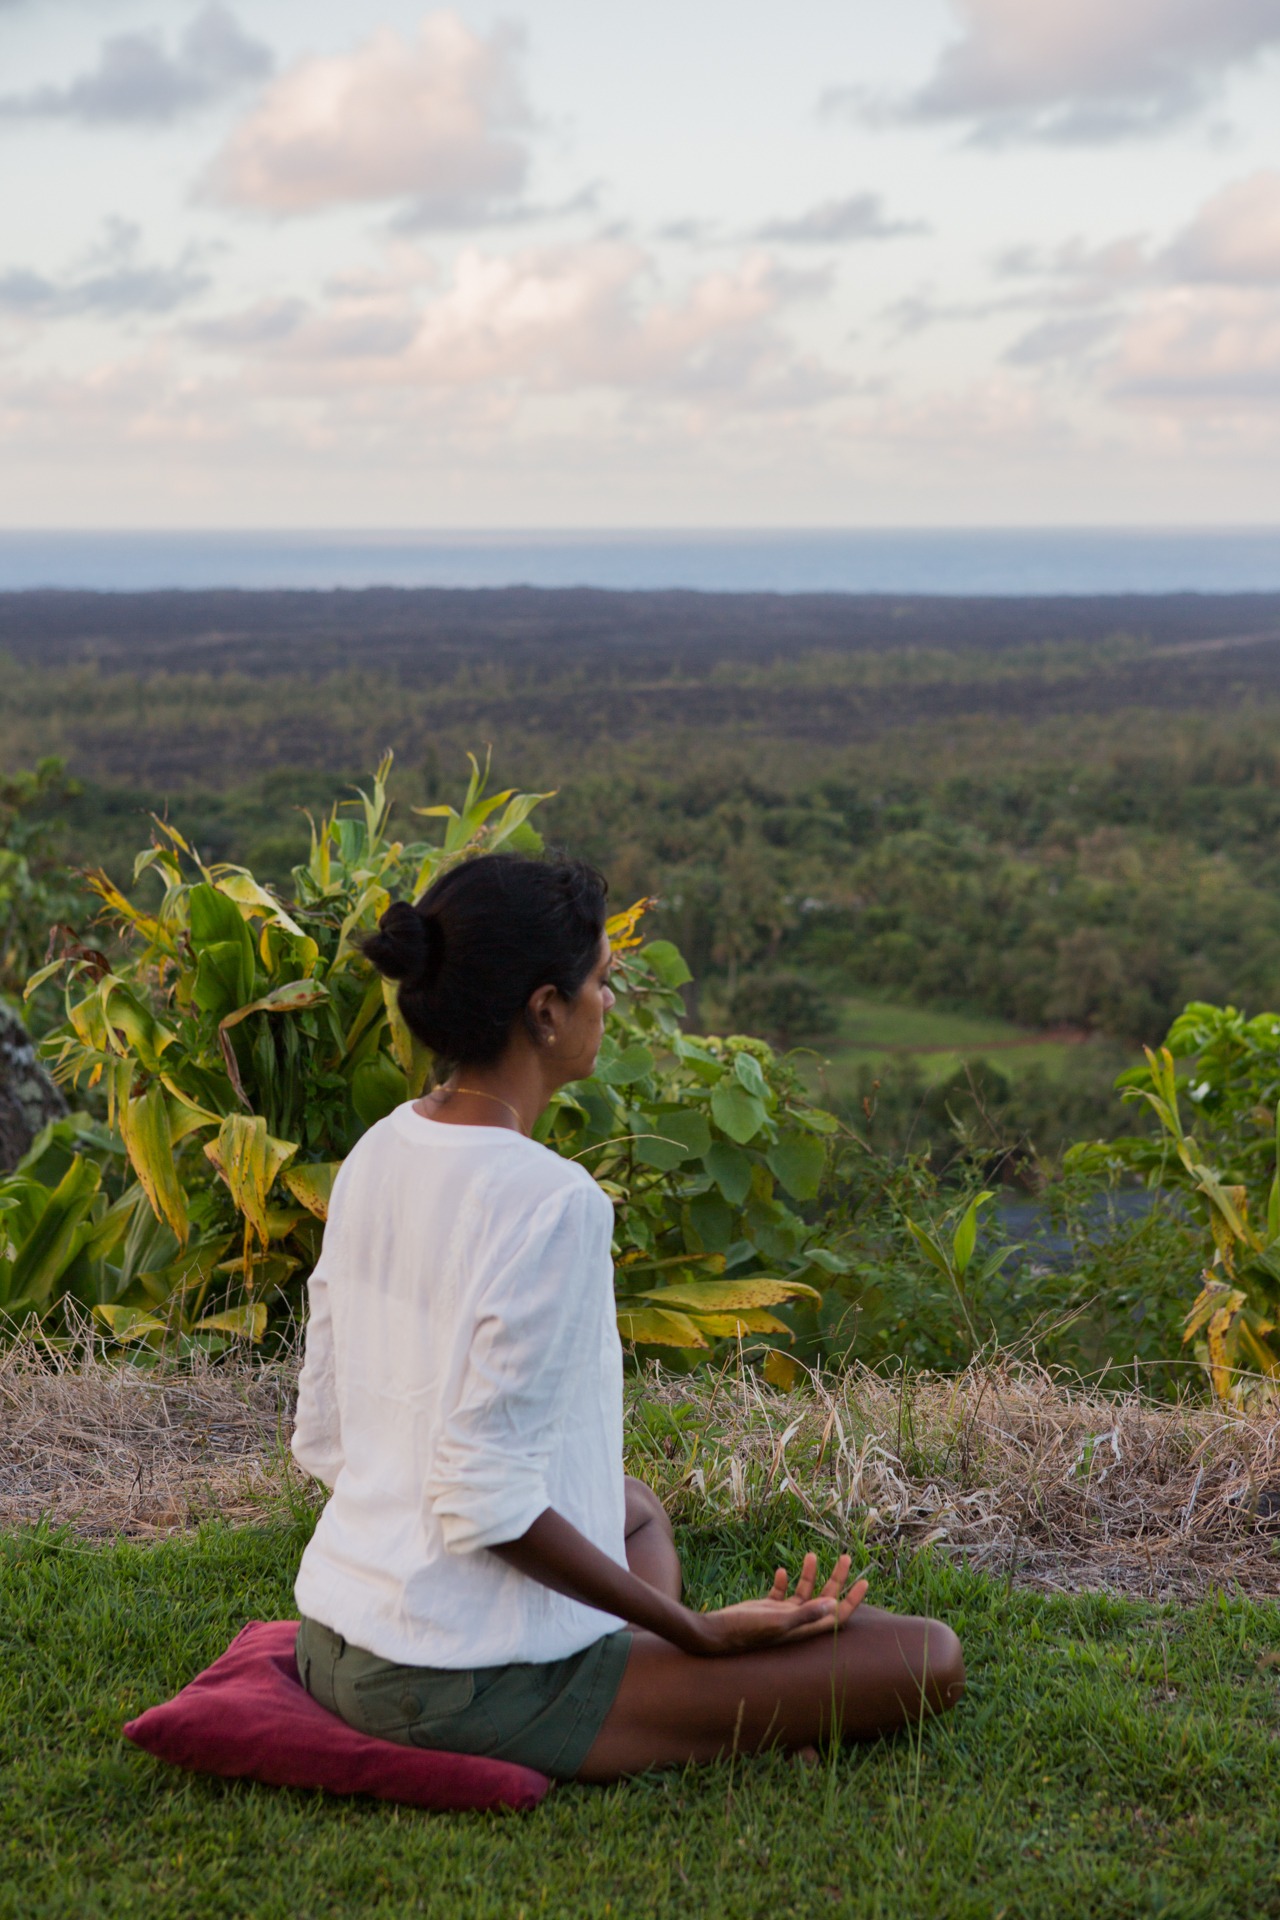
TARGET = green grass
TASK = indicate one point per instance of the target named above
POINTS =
(1108, 1759)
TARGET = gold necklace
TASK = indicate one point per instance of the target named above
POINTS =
(479, 1094)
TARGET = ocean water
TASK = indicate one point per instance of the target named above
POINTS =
(896, 560)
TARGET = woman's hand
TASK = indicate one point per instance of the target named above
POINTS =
(782, 1616)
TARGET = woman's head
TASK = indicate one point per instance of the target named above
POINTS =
(472, 955)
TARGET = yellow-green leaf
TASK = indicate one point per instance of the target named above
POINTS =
(129, 1323)
(247, 1323)
(249, 1160)
(1221, 1354)
(312, 1183)
(729, 1325)
(290, 998)
(723, 1296)
(184, 1115)
(656, 1328)
(264, 1274)
(412, 1058)
(245, 891)
(780, 1370)
(144, 1127)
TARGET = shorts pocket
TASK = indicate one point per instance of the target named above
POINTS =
(406, 1704)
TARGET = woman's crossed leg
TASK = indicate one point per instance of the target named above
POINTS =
(879, 1672)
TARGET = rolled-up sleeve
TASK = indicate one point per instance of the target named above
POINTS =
(317, 1431)
(488, 1479)
(317, 1428)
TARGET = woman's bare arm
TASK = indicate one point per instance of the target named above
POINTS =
(556, 1554)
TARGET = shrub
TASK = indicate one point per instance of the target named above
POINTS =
(240, 1046)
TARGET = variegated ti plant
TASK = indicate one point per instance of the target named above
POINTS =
(243, 1045)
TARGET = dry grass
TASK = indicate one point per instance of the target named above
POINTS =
(1017, 1472)
(114, 1450)
(1006, 1467)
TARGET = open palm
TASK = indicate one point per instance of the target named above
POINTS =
(785, 1613)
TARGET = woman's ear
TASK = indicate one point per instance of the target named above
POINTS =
(540, 1016)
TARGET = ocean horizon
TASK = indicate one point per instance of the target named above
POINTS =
(985, 561)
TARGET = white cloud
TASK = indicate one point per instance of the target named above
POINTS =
(1204, 346)
(1081, 70)
(548, 320)
(440, 121)
(137, 80)
(1235, 237)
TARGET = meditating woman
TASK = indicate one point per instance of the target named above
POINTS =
(484, 1579)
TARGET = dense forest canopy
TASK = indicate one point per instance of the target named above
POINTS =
(1059, 814)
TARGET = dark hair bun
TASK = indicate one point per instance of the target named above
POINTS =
(481, 940)
(407, 945)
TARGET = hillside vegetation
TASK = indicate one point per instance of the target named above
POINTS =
(958, 861)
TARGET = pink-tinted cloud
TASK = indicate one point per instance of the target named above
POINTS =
(1216, 347)
(439, 121)
(563, 320)
(1235, 237)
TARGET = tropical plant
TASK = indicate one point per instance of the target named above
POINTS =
(952, 1257)
(1232, 1185)
(240, 1047)
(704, 1145)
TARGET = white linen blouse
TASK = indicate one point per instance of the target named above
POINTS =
(463, 1373)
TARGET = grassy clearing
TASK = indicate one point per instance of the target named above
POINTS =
(872, 1034)
(1110, 1758)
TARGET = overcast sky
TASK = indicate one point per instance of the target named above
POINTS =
(679, 263)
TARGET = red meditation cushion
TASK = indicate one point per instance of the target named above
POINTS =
(248, 1716)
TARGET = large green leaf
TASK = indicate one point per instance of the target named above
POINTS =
(738, 1113)
(212, 918)
(222, 982)
(730, 1168)
(670, 1135)
(750, 1074)
(57, 1236)
(377, 1088)
(798, 1159)
(668, 963)
(622, 1069)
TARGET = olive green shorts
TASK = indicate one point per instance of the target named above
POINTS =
(538, 1714)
